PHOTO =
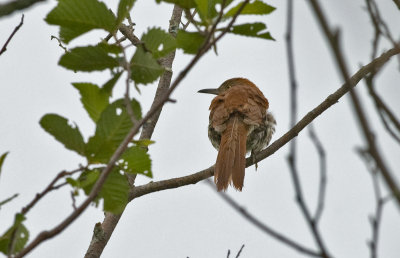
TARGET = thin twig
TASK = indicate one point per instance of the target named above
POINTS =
(9, 199)
(263, 227)
(240, 251)
(59, 43)
(384, 112)
(365, 127)
(4, 48)
(293, 150)
(127, 67)
(322, 173)
(375, 219)
(52, 186)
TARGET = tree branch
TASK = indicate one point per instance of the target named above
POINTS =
(362, 119)
(4, 48)
(12, 6)
(99, 241)
(276, 145)
(263, 227)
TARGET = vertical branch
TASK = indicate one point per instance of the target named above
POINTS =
(322, 171)
(103, 231)
(361, 117)
(292, 155)
(375, 219)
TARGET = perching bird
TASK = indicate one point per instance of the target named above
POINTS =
(239, 123)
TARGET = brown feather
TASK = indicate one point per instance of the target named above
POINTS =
(231, 160)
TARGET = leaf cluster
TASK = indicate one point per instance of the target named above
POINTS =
(113, 118)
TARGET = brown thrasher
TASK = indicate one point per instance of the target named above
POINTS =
(239, 123)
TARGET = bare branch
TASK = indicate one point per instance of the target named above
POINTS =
(240, 251)
(365, 127)
(260, 225)
(375, 219)
(9, 199)
(322, 171)
(4, 48)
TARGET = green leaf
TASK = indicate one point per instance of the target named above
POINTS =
(190, 42)
(145, 68)
(115, 192)
(136, 160)
(86, 180)
(112, 127)
(68, 135)
(256, 7)
(143, 142)
(109, 85)
(21, 236)
(252, 30)
(2, 158)
(124, 7)
(89, 58)
(93, 98)
(182, 3)
(69, 33)
(206, 9)
(158, 42)
(77, 17)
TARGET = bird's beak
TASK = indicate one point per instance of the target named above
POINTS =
(209, 91)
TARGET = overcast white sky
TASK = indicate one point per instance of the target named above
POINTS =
(193, 221)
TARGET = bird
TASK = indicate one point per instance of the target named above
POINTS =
(239, 123)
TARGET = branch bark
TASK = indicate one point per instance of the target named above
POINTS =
(103, 231)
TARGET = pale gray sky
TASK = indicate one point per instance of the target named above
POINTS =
(193, 221)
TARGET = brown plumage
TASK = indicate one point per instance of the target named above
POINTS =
(239, 123)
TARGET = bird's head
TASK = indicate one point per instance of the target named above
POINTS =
(234, 82)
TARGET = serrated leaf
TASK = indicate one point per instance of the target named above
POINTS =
(124, 7)
(2, 158)
(94, 99)
(115, 192)
(257, 7)
(112, 127)
(136, 160)
(252, 30)
(190, 42)
(89, 58)
(158, 42)
(144, 67)
(182, 3)
(109, 85)
(78, 17)
(21, 236)
(68, 135)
